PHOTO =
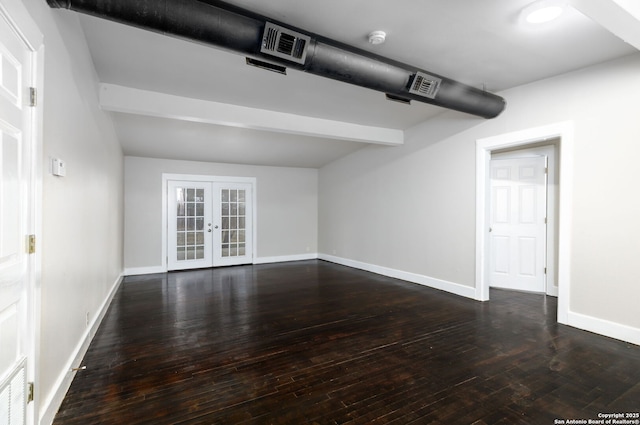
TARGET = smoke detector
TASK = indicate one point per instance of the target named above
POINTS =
(377, 37)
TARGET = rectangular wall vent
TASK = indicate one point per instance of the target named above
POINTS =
(284, 43)
(266, 65)
(13, 402)
(425, 85)
(398, 99)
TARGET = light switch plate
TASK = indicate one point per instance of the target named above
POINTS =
(58, 167)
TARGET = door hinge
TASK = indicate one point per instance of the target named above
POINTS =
(545, 270)
(30, 392)
(31, 244)
(33, 96)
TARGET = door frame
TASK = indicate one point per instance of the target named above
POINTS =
(212, 179)
(564, 131)
(547, 150)
(17, 17)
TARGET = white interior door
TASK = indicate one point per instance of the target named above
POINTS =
(15, 216)
(209, 222)
(190, 224)
(518, 224)
(233, 224)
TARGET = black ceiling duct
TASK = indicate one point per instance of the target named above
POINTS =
(223, 25)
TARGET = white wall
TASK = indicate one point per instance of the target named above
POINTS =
(409, 208)
(412, 208)
(81, 244)
(287, 208)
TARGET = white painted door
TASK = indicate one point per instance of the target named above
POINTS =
(190, 225)
(517, 224)
(15, 222)
(233, 224)
(210, 224)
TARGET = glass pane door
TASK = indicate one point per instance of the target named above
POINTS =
(233, 216)
(233, 234)
(189, 225)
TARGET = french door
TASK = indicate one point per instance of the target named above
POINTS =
(190, 225)
(210, 224)
(518, 224)
(233, 229)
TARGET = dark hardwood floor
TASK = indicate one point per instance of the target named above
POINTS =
(316, 343)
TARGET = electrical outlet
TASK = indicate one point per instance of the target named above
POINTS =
(87, 319)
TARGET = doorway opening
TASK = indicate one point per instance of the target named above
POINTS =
(209, 221)
(559, 135)
(523, 218)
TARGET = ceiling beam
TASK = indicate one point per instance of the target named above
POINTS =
(142, 102)
(620, 17)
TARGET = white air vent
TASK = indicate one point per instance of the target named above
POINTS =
(13, 400)
(284, 43)
(425, 85)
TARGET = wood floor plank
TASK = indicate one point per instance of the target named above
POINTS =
(312, 342)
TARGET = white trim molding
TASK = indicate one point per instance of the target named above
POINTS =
(54, 399)
(285, 258)
(604, 327)
(15, 13)
(565, 132)
(135, 271)
(431, 282)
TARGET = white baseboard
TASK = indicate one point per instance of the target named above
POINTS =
(54, 399)
(577, 320)
(284, 258)
(443, 285)
(134, 271)
(604, 327)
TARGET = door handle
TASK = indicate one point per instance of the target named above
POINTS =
(215, 227)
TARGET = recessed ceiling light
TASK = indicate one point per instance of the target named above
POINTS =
(543, 11)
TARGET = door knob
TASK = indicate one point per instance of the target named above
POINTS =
(215, 227)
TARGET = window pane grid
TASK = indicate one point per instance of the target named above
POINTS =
(189, 223)
(233, 214)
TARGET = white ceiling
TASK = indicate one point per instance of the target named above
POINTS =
(480, 43)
